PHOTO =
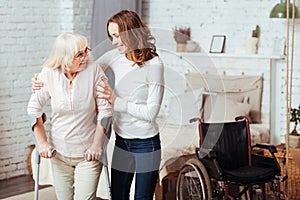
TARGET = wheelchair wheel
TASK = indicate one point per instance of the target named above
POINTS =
(193, 182)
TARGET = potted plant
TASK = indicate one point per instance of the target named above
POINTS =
(294, 139)
(295, 117)
(181, 36)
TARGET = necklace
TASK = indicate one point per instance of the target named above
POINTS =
(71, 76)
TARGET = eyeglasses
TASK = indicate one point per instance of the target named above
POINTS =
(81, 54)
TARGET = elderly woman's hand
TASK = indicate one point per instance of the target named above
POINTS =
(93, 153)
(104, 91)
(46, 150)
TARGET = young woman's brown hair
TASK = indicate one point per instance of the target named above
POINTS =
(135, 35)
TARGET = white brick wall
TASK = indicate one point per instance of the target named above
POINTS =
(83, 11)
(28, 29)
(234, 18)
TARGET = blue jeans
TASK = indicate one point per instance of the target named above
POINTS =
(135, 156)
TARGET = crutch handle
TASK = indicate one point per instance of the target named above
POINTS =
(53, 152)
(38, 157)
(85, 156)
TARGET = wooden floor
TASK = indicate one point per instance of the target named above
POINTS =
(16, 186)
(25, 184)
(19, 185)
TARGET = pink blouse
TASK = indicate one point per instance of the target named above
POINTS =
(74, 111)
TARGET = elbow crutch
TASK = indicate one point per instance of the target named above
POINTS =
(37, 170)
(106, 123)
(37, 156)
(107, 180)
(37, 173)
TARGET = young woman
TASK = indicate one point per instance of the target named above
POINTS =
(136, 100)
(70, 77)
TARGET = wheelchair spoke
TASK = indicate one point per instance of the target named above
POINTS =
(191, 184)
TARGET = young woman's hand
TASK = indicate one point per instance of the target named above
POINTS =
(104, 91)
(93, 153)
(35, 83)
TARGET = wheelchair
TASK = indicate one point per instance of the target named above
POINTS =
(224, 160)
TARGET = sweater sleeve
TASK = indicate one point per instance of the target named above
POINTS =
(150, 110)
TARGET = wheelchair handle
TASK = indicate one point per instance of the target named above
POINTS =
(194, 120)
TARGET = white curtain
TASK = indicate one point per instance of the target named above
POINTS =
(102, 11)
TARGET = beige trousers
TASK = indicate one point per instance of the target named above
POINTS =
(75, 178)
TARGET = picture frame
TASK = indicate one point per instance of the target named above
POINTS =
(217, 44)
(279, 46)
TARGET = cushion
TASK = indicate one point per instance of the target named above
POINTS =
(219, 108)
(235, 87)
(185, 106)
(175, 84)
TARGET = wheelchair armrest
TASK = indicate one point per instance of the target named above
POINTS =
(272, 148)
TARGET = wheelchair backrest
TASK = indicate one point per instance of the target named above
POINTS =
(230, 141)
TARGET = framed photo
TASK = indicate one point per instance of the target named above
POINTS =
(279, 46)
(217, 44)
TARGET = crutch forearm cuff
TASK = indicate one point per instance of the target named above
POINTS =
(33, 120)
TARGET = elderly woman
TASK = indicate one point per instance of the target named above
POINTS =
(70, 77)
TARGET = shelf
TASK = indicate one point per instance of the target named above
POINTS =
(238, 56)
(283, 20)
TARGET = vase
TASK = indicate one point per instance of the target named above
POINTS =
(192, 46)
(251, 45)
(181, 47)
(294, 141)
